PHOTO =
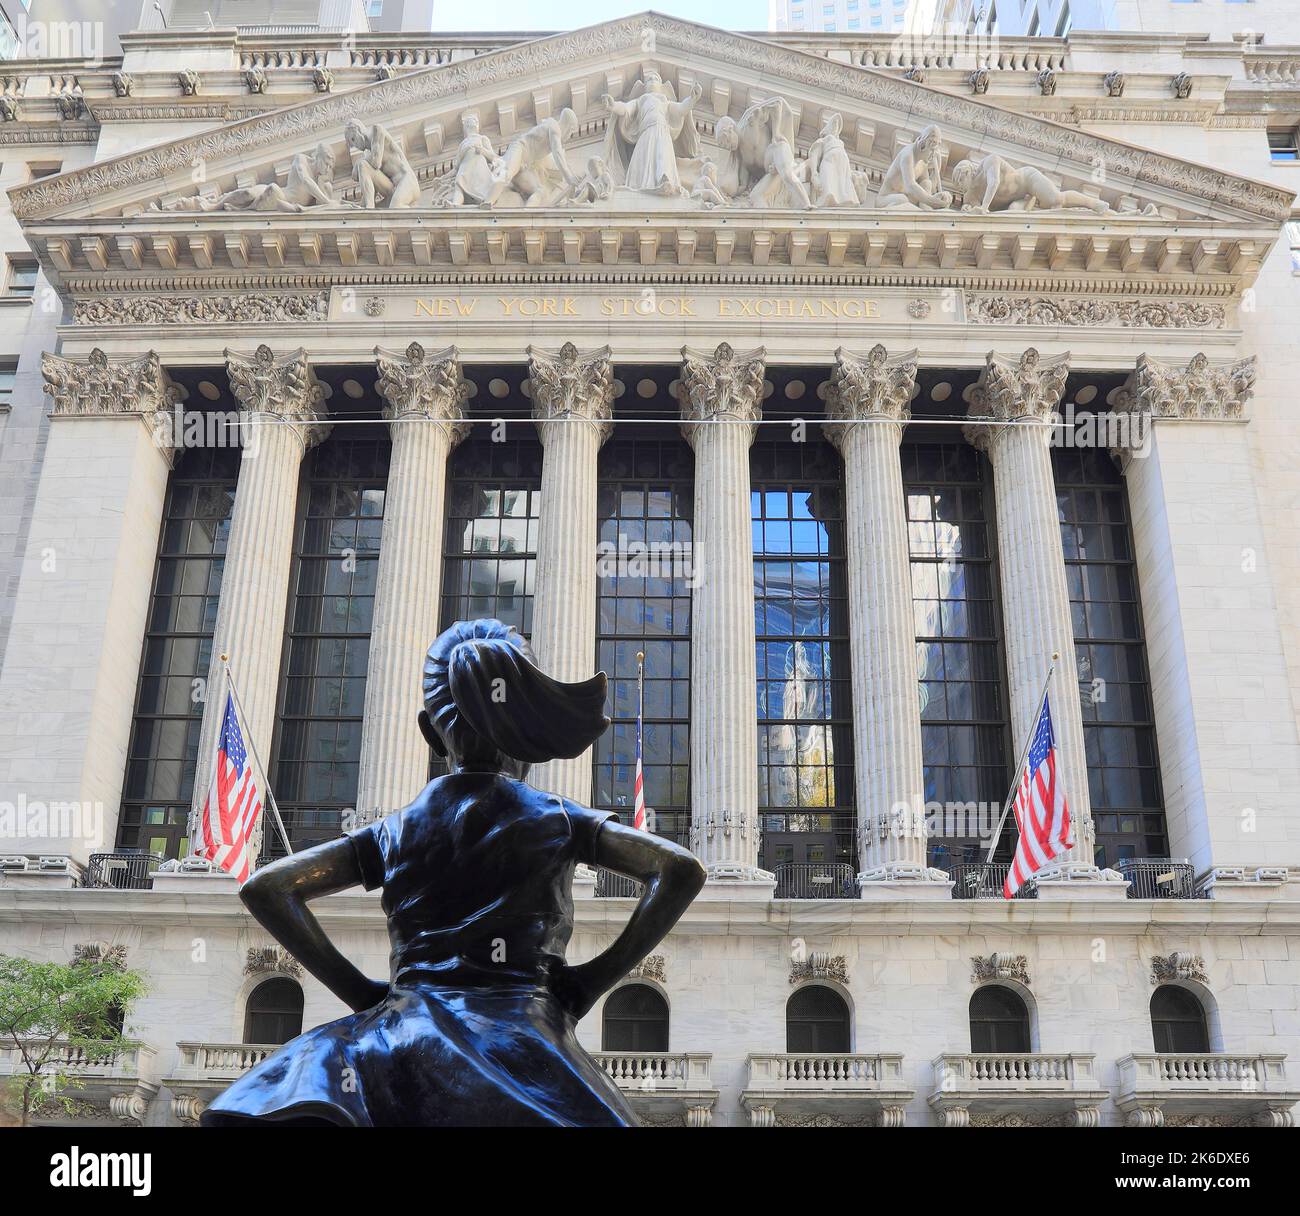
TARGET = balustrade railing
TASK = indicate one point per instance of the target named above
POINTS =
(820, 1070)
(229, 1059)
(1159, 878)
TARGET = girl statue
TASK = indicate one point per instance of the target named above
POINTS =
(475, 1025)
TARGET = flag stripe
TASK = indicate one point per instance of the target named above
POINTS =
(228, 822)
(1042, 812)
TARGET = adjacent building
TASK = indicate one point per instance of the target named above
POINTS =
(912, 381)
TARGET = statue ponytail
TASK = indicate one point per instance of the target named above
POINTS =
(481, 679)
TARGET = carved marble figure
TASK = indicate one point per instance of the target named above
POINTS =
(650, 132)
(994, 184)
(382, 168)
(476, 167)
(830, 171)
(534, 170)
(310, 183)
(912, 180)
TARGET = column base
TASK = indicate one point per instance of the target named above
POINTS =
(899, 880)
(730, 880)
(1079, 880)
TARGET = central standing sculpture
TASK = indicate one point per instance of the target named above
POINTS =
(475, 1025)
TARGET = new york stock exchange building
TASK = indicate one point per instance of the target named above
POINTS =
(848, 385)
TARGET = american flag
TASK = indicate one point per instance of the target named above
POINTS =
(638, 788)
(234, 801)
(1042, 813)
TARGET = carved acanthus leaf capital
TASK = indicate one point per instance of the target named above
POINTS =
(286, 388)
(721, 385)
(97, 385)
(419, 384)
(1180, 965)
(570, 384)
(999, 967)
(1201, 390)
(1015, 390)
(869, 386)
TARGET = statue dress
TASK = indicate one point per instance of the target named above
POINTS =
(462, 1038)
(650, 123)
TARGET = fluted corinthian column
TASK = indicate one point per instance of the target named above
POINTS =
(281, 421)
(425, 395)
(82, 604)
(573, 398)
(1010, 408)
(868, 403)
(721, 403)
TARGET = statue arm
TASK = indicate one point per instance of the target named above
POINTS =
(556, 145)
(277, 896)
(672, 876)
(992, 170)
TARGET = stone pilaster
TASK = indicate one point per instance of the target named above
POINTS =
(573, 399)
(721, 396)
(868, 402)
(1012, 408)
(281, 421)
(425, 395)
(68, 687)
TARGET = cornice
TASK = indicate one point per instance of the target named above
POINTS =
(850, 83)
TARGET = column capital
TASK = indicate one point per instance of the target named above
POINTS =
(1011, 389)
(1201, 390)
(422, 385)
(285, 387)
(869, 386)
(723, 384)
(570, 384)
(97, 387)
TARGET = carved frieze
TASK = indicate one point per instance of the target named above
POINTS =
(819, 966)
(270, 960)
(186, 310)
(1124, 314)
(1000, 967)
(1027, 387)
(99, 386)
(1180, 965)
(285, 387)
(425, 385)
(1201, 390)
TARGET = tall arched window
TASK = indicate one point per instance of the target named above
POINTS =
(1178, 1021)
(274, 1012)
(635, 1019)
(999, 1020)
(817, 1019)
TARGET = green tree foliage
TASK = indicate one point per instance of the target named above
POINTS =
(56, 1019)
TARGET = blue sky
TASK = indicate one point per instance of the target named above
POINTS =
(572, 14)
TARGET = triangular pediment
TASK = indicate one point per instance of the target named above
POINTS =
(142, 201)
(512, 87)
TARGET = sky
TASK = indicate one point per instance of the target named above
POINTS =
(450, 15)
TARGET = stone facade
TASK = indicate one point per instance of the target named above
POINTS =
(1121, 227)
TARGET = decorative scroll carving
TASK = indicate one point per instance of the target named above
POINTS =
(431, 386)
(284, 387)
(568, 384)
(874, 386)
(652, 967)
(97, 386)
(721, 385)
(820, 966)
(1029, 387)
(95, 955)
(263, 960)
(1201, 390)
(1000, 967)
(1178, 966)
(1124, 314)
(185, 310)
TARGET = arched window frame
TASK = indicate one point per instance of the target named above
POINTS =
(250, 995)
(658, 991)
(843, 994)
(1209, 1016)
(1026, 998)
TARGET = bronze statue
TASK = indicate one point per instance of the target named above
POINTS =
(475, 1025)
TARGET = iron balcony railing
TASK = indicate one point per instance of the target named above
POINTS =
(1159, 878)
(815, 880)
(984, 880)
(617, 886)
(125, 870)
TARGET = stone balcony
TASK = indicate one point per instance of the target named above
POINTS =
(665, 1088)
(120, 1084)
(1177, 1089)
(1006, 1088)
(820, 1089)
(205, 1069)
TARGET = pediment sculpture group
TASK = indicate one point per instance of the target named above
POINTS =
(652, 147)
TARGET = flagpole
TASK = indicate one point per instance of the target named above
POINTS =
(270, 797)
(640, 729)
(1024, 755)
